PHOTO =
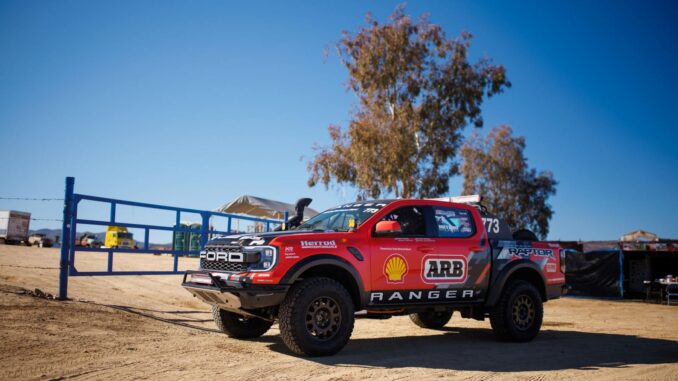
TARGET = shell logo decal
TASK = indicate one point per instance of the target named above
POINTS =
(395, 269)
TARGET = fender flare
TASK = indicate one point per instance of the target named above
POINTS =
(498, 284)
(293, 274)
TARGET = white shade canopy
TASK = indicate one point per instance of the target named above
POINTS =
(262, 207)
(638, 235)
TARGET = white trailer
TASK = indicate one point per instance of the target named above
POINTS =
(14, 226)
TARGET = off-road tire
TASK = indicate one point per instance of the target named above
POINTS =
(431, 319)
(518, 314)
(301, 317)
(238, 326)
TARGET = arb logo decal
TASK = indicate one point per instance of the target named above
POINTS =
(443, 269)
(395, 269)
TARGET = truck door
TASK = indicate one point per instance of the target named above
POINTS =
(396, 259)
(461, 262)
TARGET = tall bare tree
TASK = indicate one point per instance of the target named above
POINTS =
(416, 92)
(496, 168)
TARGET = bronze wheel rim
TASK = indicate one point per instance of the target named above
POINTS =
(523, 312)
(323, 318)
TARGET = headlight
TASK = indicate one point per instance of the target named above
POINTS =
(265, 257)
(563, 254)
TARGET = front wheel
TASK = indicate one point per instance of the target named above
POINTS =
(431, 319)
(316, 317)
(519, 312)
(239, 327)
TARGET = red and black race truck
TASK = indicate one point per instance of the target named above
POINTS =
(377, 259)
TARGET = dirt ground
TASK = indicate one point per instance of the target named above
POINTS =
(148, 327)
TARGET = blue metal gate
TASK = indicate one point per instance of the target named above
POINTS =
(70, 223)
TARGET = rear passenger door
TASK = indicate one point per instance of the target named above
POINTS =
(460, 262)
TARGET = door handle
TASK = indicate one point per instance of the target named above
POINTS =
(425, 249)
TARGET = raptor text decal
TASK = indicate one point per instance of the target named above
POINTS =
(524, 252)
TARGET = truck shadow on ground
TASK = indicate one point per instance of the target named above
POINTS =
(477, 350)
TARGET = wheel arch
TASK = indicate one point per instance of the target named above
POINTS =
(330, 266)
(521, 269)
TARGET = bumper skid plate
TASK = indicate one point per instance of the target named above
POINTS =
(233, 296)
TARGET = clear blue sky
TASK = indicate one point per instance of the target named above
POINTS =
(195, 103)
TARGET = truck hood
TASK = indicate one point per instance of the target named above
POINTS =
(254, 239)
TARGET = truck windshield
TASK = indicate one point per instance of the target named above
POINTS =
(125, 235)
(338, 219)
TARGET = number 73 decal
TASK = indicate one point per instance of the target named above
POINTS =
(491, 225)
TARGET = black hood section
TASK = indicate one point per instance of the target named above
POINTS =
(252, 239)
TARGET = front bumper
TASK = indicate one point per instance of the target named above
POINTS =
(237, 295)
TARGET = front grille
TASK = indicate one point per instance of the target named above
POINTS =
(223, 265)
(226, 248)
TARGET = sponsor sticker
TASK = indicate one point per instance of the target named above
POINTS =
(419, 296)
(550, 267)
(290, 253)
(331, 244)
(395, 269)
(524, 252)
(443, 269)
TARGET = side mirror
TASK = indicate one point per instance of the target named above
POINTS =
(386, 228)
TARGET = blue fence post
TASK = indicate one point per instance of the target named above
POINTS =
(64, 263)
(73, 230)
(204, 228)
(110, 253)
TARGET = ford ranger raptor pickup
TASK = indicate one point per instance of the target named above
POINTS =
(377, 259)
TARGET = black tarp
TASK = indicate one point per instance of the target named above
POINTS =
(595, 273)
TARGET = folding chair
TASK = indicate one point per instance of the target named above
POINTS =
(653, 292)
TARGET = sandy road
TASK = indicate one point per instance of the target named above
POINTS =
(150, 328)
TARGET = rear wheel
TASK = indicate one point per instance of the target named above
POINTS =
(431, 319)
(239, 327)
(518, 314)
(316, 317)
